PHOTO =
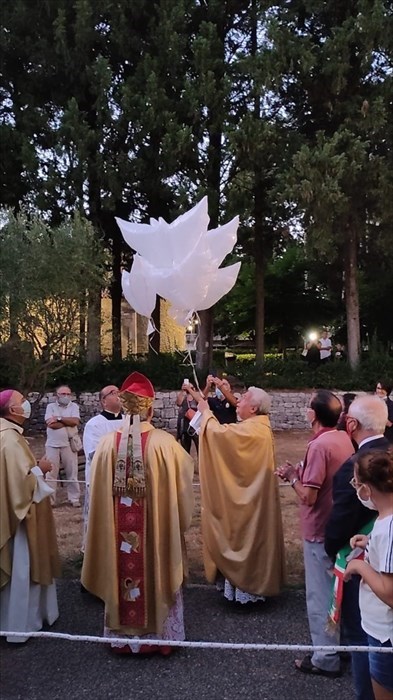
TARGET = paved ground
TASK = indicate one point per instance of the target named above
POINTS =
(43, 669)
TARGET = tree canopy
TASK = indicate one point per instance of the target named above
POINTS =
(279, 113)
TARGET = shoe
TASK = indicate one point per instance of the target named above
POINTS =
(305, 665)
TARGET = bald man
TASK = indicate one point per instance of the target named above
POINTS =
(28, 556)
(312, 481)
(109, 420)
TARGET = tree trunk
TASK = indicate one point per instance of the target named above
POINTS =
(156, 316)
(204, 350)
(93, 353)
(352, 297)
(82, 326)
(259, 280)
(14, 314)
(258, 216)
(116, 293)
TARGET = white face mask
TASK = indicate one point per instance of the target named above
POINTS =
(26, 409)
(64, 400)
(26, 406)
(219, 394)
(367, 503)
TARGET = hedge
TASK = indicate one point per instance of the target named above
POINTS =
(167, 371)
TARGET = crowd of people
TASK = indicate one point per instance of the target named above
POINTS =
(139, 504)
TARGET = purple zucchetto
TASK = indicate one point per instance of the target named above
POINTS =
(5, 396)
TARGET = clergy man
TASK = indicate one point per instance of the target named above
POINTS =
(141, 502)
(28, 549)
(241, 516)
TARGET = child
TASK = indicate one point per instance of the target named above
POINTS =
(373, 482)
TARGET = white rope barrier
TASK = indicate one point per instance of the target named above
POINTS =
(195, 485)
(247, 646)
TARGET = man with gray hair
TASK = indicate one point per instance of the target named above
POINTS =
(366, 420)
(241, 516)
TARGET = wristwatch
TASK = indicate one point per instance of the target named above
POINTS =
(58, 419)
(294, 480)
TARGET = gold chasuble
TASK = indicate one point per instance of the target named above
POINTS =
(17, 486)
(139, 590)
(241, 516)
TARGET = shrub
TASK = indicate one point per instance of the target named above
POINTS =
(167, 371)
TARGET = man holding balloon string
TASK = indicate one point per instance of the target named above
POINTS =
(241, 515)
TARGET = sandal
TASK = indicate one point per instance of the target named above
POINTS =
(305, 665)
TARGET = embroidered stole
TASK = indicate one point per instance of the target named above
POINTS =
(130, 525)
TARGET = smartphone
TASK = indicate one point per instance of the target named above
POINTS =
(186, 381)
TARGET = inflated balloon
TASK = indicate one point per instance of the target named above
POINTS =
(180, 262)
(138, 287)
(166, 245)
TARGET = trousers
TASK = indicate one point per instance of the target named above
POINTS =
(69, 461)
(353, 634)
(317, 566)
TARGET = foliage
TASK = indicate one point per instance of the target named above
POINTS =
(44, 275)
(294, 298)
(167, 371)
(279, 112)
(334, 76)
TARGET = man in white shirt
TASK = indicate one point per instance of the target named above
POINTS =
(60, 416)
(326, 347)
(109, 420)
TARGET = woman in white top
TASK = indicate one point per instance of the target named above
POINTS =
(373, 481)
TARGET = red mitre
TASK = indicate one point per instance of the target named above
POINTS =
(137, 383)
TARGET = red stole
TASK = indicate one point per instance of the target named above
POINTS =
(130, 527)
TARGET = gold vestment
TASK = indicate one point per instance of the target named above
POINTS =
(17, 486)
(169, 493)
(241, 515)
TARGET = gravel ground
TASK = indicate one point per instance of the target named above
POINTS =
(44, 669)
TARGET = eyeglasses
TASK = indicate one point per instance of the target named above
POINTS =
(355, 484)
(114, 392)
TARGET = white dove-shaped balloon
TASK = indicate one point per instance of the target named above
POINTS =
(180, 262)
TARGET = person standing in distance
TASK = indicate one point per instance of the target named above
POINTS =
(383, 391)
(63, 413)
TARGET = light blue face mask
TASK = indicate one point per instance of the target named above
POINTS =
(219, 394)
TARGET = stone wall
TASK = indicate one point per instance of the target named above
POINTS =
(288, 410)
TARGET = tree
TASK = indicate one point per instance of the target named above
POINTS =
(110, 91)
(44, 275)
(333, 65)
(295, 300)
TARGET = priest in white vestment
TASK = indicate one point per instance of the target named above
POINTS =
(29, 560)
(109, 420)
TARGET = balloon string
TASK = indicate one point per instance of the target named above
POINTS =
(152, 334)
(197, 322)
